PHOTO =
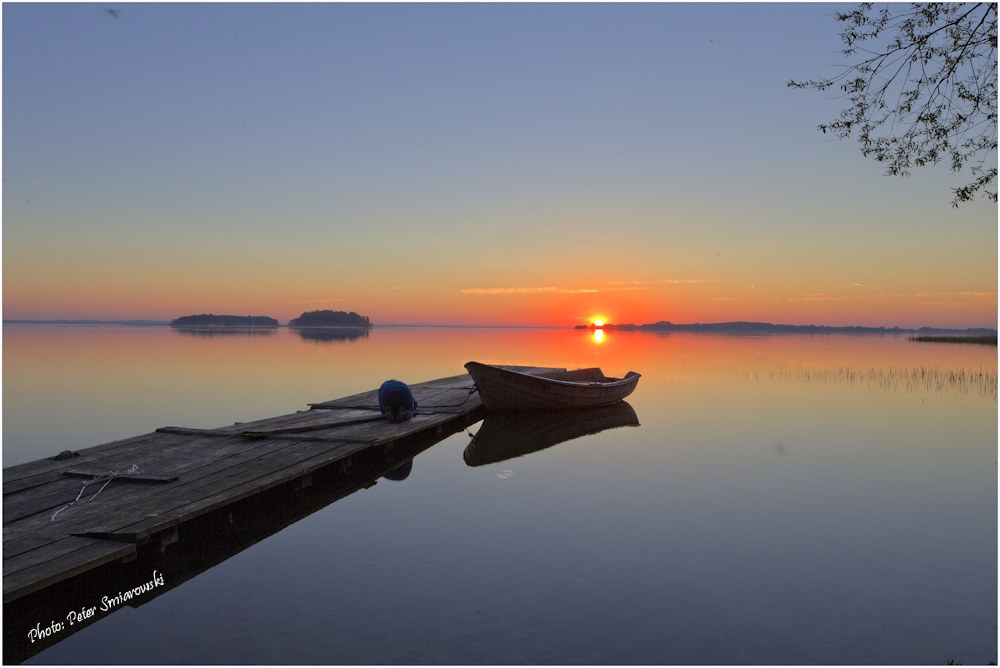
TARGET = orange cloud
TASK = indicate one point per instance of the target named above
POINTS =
(315, 301)
(522, 291)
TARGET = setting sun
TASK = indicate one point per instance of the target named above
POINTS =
(598, 322)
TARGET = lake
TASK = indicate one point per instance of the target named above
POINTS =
(785, 499)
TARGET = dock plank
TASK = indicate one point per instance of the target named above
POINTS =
(252, 455)
(257, 483)
(23, 476)
(164, 507)
(300, 420)
(215, 456)
(171, 455)
(223, 455)
(190, 472)
(154, 447)
(52, 549)
(66, 558)
(62, 495)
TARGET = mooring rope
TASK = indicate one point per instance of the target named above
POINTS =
(107, 476)
(467, 397)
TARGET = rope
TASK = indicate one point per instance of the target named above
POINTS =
(469, 396)
(106, 476)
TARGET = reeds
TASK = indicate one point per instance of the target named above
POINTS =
(984, 340)
(957, 382)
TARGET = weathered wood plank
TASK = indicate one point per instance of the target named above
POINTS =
(209, 468)
(157, 447)
(164, 514)
(169, 456)
(77, 493)
(136, 477)
(312, 426)
(29, 469)
(130, 505)
(42, 553)
(285, 424)
(59, 485)
(21, 476)
(336, 438)
(204, 461)
(190, 431)
(204, 456)
(413, 426)
(49, 502)
(62, 560)
(307, 417)
(381, 431)
(225, 497)
(386, 431)
(20, 543)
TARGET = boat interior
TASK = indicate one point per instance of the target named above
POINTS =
(593, 375)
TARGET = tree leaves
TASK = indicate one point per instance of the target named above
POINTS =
(925, 89)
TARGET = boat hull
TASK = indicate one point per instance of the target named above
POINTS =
(503, 389)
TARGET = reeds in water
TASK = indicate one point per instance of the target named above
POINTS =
(957, 382)
(984, 340)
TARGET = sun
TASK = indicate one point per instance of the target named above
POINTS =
(598, 322)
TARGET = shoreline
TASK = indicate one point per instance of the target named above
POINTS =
(741, 328)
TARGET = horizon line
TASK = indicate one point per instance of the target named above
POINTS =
(609, 326)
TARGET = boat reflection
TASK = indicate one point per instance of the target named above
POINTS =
(508, 434)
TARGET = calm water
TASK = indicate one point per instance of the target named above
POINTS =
(786, 499)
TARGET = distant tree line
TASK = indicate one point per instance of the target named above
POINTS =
(766, 327)
(329, 318)
(209, 320)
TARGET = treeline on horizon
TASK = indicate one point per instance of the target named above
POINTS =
(766, 327)
(211, 320)
(330, 319)
(325, 318)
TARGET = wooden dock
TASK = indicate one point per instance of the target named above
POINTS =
(169, 479)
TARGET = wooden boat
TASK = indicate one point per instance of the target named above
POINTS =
(504, 389)
(508, 434)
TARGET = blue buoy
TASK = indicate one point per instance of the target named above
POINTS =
(396, 401)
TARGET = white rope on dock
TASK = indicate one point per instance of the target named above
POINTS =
(107, 476)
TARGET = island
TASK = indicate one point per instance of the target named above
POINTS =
(768, 328)
(210, 320)
(329, 318)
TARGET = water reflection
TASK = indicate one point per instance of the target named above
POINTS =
(508, 434)
(328, 334)
(401, 472)
(707, 536)
(210, 332)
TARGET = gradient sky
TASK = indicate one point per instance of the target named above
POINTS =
(462, 164)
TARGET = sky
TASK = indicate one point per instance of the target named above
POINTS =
(479, 164)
